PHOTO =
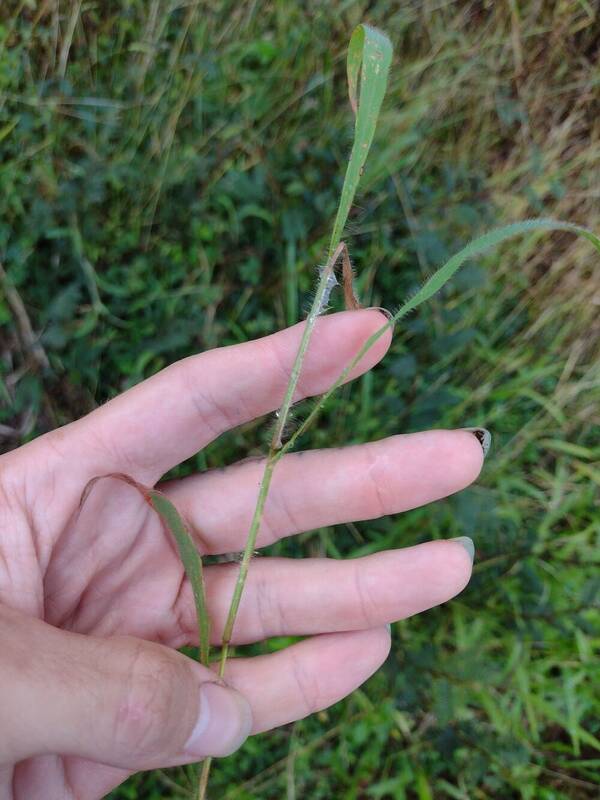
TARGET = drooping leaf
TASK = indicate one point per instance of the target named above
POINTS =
(191, 562)
(188, 552)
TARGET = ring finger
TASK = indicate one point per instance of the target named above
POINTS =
(326, 487)
(300, 597)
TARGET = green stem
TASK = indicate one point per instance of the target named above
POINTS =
(341, 379)
(204, 776)
(369, 58)
(315, 310)
(272, 459)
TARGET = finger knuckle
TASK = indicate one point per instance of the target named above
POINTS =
(376, 470)
(150, 709)
(307, 685)
(364, 596)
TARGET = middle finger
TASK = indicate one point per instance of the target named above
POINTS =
(302, 597)
(326, 487)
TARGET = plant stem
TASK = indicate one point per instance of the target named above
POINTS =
(275, 453)
(204, 776)
(369, 57)
(272, 459)
(283, 413)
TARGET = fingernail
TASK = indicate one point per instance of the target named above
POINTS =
(387, 314)
(484, 437)
(224, 722)
(467, 543)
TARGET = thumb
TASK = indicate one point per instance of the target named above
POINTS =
(120, 701)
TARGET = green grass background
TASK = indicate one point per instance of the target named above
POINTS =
(169, 173)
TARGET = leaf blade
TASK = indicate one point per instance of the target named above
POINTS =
(192, 564)
(368, 63)
(433, 284)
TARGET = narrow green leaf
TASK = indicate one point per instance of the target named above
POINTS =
(191, 562)
(188, 553)
(439, 278)
(371, 50)
(480, 245)
(368, 63)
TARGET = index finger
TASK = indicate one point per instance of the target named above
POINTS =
(164, 420)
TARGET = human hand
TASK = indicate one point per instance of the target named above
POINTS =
(92, 604)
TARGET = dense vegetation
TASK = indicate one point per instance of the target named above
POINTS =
(169, 172)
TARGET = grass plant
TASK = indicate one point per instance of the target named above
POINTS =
(493, 116)
(369, 59)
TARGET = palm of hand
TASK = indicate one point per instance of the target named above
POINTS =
(110, 570)
(107, 569)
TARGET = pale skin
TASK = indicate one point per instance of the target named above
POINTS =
(92, 606)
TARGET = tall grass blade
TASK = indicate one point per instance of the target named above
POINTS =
(477, 247)
(486, 242)
(368, 63)
(370, 50)
(369, 58)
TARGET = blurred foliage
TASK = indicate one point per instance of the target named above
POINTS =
(169, 172)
